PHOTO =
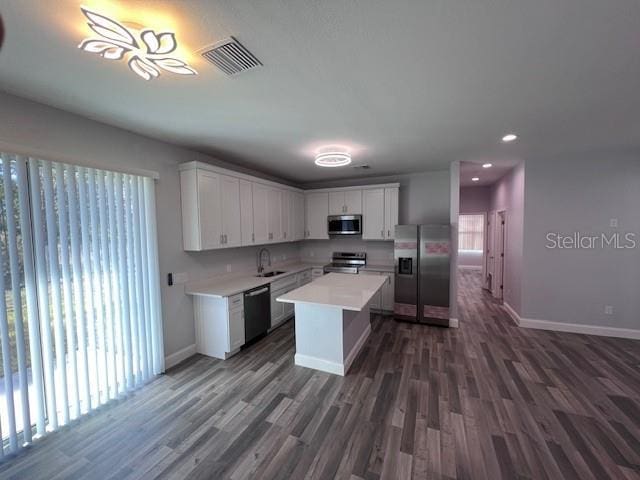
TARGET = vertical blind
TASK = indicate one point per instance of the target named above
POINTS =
(471, 232)
(80, 320)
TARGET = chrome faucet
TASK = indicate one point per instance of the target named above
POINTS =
(259, 262)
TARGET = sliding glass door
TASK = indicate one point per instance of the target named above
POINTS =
(80, 320)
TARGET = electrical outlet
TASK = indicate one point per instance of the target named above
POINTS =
(608, 310)
(180, 278)
(613, 223)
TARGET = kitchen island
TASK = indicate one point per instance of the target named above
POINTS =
(332, 319)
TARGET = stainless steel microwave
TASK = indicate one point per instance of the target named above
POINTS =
(345, 224)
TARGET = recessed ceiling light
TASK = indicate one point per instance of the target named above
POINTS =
(147, 52)
(475, 179)
(509, 137)
(487, 165)
(333, 159)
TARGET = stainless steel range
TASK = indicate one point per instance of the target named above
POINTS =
(346, 262)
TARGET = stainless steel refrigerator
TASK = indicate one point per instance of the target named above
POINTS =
(422, 256)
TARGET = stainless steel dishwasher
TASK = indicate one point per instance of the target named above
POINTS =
(257, 312)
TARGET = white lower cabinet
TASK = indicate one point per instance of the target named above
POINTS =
(282, 311)
(384, 299)
(219, 325)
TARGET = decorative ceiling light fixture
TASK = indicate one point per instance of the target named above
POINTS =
(509, 137)
(333, 159)
(147, 55)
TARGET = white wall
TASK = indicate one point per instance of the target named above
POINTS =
(509, 194)
(31, 127)
(566, 195)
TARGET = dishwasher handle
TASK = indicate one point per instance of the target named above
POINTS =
(253, 293)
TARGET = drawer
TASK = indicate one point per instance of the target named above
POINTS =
(304, 276)
(317, 272)
(236, 302)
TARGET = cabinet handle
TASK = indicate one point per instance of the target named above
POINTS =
(389, 233)
(221, 242)
(382, 233)
(253, 237)
(285, 234)
(226, 240)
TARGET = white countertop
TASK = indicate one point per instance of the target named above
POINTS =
(343, 290)
(378, 268)
(230, 284)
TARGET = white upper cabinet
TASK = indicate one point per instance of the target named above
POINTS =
(200, 198)
(222, 208)
(317, 211)
(260, 225)
(345, 202)
(390, 211)
(246, 212)
(230, 211)
(380, 213)
(285, 211)
(373, 214)
(274, 214)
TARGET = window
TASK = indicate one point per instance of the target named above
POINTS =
(471, 232)
(80, 320)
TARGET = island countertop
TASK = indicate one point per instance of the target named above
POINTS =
(343, 290)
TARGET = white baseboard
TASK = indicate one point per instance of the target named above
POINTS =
(180, 355)
(598, 330)
(454, 323)
(319, 364)
(356, 348)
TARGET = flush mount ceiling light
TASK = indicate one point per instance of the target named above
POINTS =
(509, 137)
(475, 179)
(487, 165)
(333, 159)
(146, 51)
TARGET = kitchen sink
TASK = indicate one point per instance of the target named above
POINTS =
(270, 274)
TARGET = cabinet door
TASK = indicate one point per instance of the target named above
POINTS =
(390, 212)
(274, 214)
(260, 226)
(209, 210)
(353, 202)
(230, 209)
(300, 216)
(246, 212)
(317, 210)
(336, 203)
(373, 214)
(277, 310)
(376, 301)
(285, 211)
(236, 329)
(388, 292)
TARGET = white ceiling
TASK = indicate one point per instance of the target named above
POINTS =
(411, 85)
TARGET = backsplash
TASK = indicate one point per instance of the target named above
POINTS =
(378, 253)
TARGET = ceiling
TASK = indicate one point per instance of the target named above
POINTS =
(407, 85)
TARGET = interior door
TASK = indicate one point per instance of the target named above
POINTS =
(500, 227)
(373, 227)
(209, 217)
(230, 206)
(488, 257)
(260, 227)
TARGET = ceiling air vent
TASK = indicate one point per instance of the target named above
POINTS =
(231, 57)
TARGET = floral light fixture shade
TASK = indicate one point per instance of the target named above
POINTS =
(147, 56)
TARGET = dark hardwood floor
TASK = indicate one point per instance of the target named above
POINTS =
(487, 400)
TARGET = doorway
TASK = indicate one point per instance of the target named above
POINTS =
(494, 280)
